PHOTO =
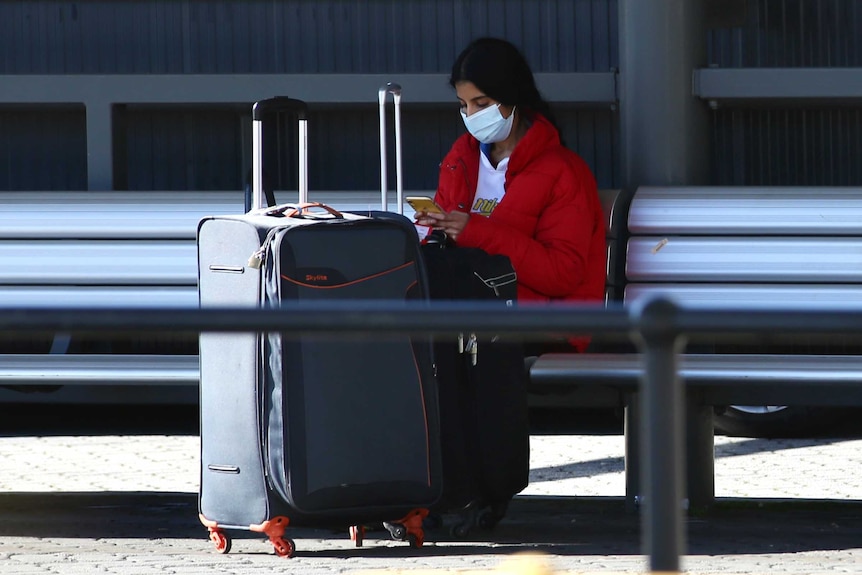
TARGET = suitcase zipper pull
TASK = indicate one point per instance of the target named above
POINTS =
(460, 343)
(473, 349)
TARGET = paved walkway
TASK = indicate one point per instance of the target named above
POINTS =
(583, 465)
(127, 504)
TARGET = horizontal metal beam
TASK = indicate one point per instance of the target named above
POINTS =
(788, 84)
(656, 315)
(168, 89)
(327, 318)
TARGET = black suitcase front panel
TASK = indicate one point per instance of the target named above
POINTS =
(350, 416)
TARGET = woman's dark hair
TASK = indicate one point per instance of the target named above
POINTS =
(501, 72)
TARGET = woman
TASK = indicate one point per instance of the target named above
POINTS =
(510, 187)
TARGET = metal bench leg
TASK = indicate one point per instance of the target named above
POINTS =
(633, 451)
(700, 455)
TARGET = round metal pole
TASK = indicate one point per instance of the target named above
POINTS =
(662, 436)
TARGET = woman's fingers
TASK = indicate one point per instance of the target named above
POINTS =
(429, 219)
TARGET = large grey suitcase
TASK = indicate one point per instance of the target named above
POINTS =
(310, 431)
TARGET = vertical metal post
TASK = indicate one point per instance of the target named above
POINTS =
(100, 145)
(665, 135)
(662, 436)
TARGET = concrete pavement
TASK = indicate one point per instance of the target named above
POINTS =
(127, 504)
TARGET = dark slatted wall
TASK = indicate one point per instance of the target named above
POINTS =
(788, 147)
(179, 148)
(43, 148)
(801, 145)
(298, 36)
(792, 33)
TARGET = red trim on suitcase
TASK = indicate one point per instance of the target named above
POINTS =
(425, 416)
(356, 281)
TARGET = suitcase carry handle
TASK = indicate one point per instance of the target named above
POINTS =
(395, 90)
(301, 210)
(258, 111)
(296, 210)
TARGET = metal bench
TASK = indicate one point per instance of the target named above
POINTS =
(112, 249)
(763, 248)
(757, 247)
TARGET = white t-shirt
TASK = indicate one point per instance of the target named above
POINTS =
(490, 188)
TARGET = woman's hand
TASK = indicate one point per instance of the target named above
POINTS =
(452, 222)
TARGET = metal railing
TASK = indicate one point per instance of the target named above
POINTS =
(659, 327)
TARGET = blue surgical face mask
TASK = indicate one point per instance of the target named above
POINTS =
(488, 125)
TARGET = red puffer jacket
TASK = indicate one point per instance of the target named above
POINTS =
(549, 222)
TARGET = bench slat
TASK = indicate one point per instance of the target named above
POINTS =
(736, 259)
(829, 211)
(699, 369)
(148, 215)
(766, 296)
(98, 296)
(86, 262)
(99, 370)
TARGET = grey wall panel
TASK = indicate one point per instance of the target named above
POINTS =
(792, 33)
(296, 36)
(43, 149)
(795, 147)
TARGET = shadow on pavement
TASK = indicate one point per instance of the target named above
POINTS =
(556, 525)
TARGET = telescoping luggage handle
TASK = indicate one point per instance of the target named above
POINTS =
(260, 110)
(300, 109)
(395, 90)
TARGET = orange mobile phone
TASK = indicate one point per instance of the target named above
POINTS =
(423, 204)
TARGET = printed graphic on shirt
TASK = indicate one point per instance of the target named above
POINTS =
(484, 206)
(491, 186)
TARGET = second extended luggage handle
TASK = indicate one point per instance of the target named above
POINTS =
(395, 90)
